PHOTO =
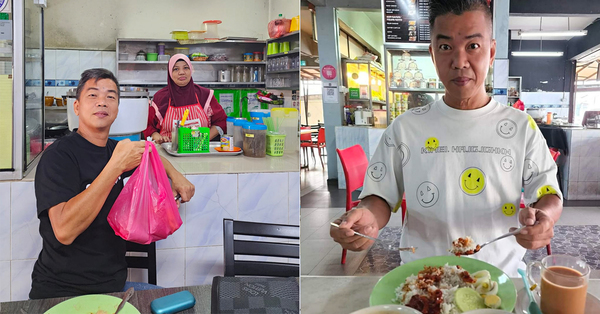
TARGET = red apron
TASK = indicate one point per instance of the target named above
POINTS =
(197, 116)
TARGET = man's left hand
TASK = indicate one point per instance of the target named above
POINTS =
(183, 187)
(539, 230)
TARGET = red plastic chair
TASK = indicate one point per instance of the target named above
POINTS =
(305, 142)
(555, 154)
(319, 145)
(355, 163)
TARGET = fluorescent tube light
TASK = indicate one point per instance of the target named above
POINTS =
(552, 33)
(537, 53)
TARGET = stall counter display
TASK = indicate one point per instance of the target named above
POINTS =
(412, 80)
(365, 81)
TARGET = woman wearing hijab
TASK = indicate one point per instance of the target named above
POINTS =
(181, 93)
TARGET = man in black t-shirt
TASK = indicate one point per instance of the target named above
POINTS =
(77, 181)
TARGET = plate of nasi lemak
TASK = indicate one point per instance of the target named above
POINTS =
(447, 285)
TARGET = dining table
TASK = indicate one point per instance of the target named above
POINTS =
(141, 300)
(346, 294)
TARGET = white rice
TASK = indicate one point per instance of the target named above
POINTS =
(458, 247)
(449, 283)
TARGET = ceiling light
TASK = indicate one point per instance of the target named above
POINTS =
(537, 53)
(552, 33)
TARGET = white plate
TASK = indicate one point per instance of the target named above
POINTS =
(592, 304)
(387, 309)
(212, 151)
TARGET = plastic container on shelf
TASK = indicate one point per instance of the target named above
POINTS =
(161, 49)
(182, 50)
(257, 56)
(295, 24)
(152, 56)
(230, 125)
(255, 140)
(257, 115)
(211, 27)
(248, 56)
(179, 34)
(196, 35)
(238, 124)
(164, 57)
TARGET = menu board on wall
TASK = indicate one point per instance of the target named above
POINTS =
(406, 21)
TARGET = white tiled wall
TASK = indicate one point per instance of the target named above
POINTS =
(581, 169)
(69, 64)
(193, 255)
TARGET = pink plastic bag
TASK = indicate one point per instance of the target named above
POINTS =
(146, 211)
(279, 27)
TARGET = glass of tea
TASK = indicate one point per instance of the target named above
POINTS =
(563, 282)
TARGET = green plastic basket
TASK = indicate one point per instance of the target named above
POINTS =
(275, 144)
(193, 141)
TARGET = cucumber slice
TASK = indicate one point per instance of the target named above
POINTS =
(467, 299)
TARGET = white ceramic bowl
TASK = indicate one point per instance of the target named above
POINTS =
(387, 309)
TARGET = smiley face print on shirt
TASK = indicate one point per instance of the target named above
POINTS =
(507, 163)
(377, 171)
(506, 128)
(532, 123)
(427, 194)
(404, 152)
(546, 190)
(509, 209)
(432, 143)
(420, 110)
(530, 171)
(472, 181)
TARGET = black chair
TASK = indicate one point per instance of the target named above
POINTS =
(144, 262)
(234, 247)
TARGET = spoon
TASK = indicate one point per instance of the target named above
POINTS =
(389, 246)
(533, 306)
(496, 239)
(126, 298)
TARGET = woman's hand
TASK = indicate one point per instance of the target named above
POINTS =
(159, 139)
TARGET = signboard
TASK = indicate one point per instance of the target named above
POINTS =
(406, 21)
(5, 30)
(5, 6)
(328, 72)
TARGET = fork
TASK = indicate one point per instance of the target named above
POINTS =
(500, 237)
(389, 246)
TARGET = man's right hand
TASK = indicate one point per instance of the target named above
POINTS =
(128, 154)
(358, 219)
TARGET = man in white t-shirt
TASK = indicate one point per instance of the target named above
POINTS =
(461, 161)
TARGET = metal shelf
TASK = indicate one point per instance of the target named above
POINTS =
(416, 90)
(135, 82)
(284, 88)
(284, 71)
(383, 103)
(283, 53)
(284, 36)
(194, 62)
(56, 107)
(359, 99)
